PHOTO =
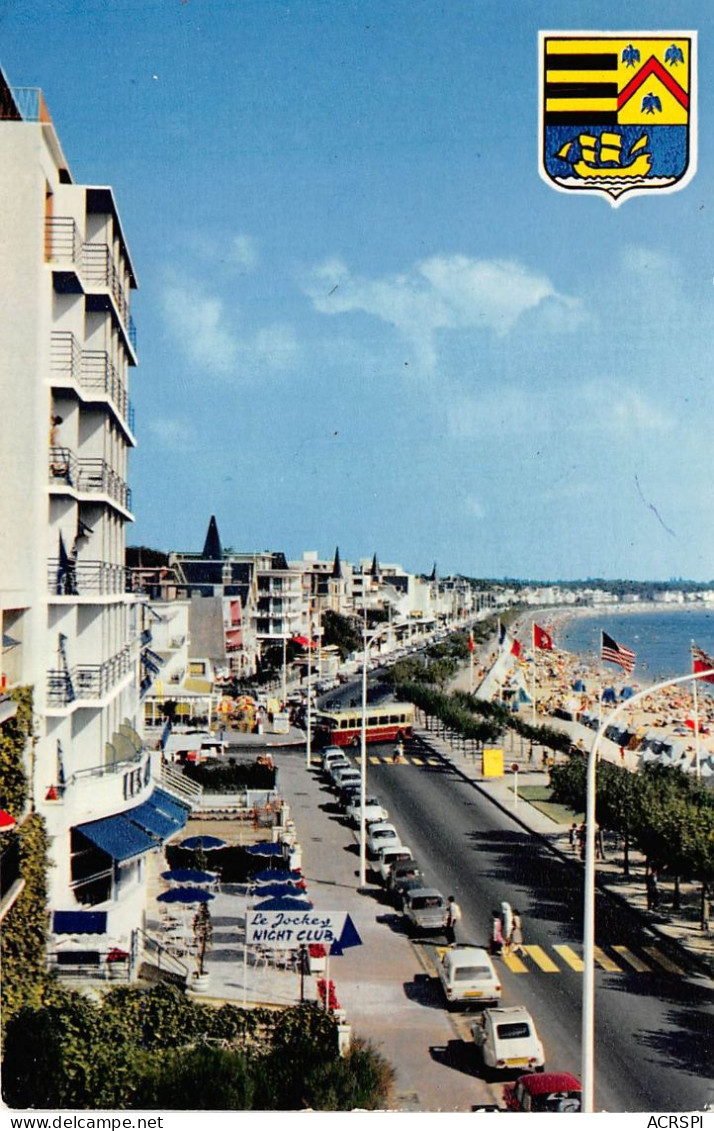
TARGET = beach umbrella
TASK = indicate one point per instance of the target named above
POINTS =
(269, 890)
(207, 843)
(188, 876)
(185, 895)
(283, 903)
(277, 875)
(266, 848)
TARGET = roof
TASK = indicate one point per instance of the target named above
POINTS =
(539, 1083)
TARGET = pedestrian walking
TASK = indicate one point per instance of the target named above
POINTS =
(506, 922)
(573, 835)
(652, 891)
(516, 937)
(453, 916)
(496, 934)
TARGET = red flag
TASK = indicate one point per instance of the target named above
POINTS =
(471, 642)
(541, 638)
(516, 647)
(702, 663)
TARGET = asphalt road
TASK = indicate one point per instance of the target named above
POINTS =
(654, 1027)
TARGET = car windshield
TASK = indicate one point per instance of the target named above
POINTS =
(513, 1031)
(471, 973)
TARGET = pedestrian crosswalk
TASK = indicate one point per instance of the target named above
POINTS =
(625, 961)
(411, 760)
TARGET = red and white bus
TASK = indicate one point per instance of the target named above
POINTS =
(389, 722)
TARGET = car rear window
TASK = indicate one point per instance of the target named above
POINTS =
(513, 1030)
(471, 973)
(426, 901)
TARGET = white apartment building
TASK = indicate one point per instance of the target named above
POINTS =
(67, 347)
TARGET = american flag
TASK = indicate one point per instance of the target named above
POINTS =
(615, 653)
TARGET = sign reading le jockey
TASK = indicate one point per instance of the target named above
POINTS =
(617, 111)
(289, 929)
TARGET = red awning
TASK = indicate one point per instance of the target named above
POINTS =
(7, 821)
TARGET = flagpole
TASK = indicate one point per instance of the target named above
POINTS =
(696, 719)
(535, 653)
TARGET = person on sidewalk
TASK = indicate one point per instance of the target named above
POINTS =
(515, 941)
(496, 934)
(453, 916)
(652, 891)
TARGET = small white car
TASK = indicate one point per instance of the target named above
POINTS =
(373, 811)
(508, 1039)
(346, 776)
(380, 835)
(331, 752)
(468, 976)
(388, 857)
(337, 766)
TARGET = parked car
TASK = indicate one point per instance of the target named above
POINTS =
(331, 752)
(379, 835)
(468, 976)
(346, 776)
(424, 910)
(333, 763)
(508, 1039)
(403, 876)
(389, 856)
(544, 1091)
(349, 795)
(338, 767)
(373, 810)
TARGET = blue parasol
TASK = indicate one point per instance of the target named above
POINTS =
(280, 889)
(207, 843)
(188, 876)
(185, 895)
(278, 876)
(266, 848)
(283, 903)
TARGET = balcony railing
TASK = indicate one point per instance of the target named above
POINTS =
(63, 241)
(93, 262)
(88, 476)
(86, 578)
(100, 270)
(92, 370)
(29, 102)
(88, 681)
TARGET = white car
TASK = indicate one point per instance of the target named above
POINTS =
(331, 752)
(336, 758)
(373, 811)
(468, 976)
(508, 1039)
(336, 766)
(388, 857)
(346, 775)
(380, 835)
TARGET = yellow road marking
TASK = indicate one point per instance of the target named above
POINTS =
(662, 960)
(514, 964)
(374, 759)
(574, 960)
(605, 961)
(434, 761)
(541, 959)
(418, 761)
(633, 960)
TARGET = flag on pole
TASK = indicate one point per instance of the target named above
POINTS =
(541, 638)
(471, 641)
(702, 663)
(614, 653)
(507, 642)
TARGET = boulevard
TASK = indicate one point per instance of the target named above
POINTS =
(652, 1015)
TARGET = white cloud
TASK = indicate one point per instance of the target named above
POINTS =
(240, 250)
(443, 293)
(474, 507)
(209, 337)
(169, 432)
(244, 252)
(610, 405)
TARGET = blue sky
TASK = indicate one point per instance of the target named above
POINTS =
(364, 320)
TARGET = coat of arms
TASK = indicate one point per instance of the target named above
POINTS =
(617, 111)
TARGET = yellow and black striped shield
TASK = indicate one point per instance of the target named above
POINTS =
(617, 111)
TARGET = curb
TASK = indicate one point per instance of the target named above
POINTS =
(706, 966)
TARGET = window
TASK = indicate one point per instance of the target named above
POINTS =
(514, 1031)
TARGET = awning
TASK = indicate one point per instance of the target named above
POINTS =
(171, 805)
(79, 923)
(153, 821)
(153, 656)
(119, 837)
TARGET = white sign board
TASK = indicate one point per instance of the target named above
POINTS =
(291, 929)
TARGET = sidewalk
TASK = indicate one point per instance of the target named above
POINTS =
(678, 929)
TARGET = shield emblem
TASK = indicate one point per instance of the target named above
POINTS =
(617, 112)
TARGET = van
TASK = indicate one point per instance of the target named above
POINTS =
(195, 746)
(468, 977)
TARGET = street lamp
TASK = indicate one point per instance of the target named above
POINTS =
(588, 1007)
(367, 639)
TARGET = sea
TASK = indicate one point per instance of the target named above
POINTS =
(661, 637)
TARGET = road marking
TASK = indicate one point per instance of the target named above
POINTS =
(633, 960)
(514, 964)
(374, 759)
(605, 961)
(434, 761)
(541, 959)
(663, 961)
(417, 761)
(574, 960)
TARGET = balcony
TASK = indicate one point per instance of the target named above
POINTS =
(87, 476)
(89, 269)
(88, 682)
(28, 104)
(93, 372)
(86, 578)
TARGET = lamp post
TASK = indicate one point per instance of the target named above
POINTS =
(588, 1006)
(367, 639)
